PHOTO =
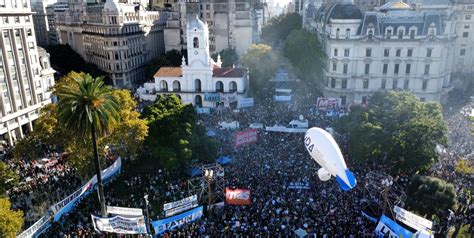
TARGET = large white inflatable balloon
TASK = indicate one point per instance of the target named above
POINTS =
(324, 150)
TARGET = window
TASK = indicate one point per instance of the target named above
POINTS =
(348, 33)
(424, 85)
(5, 20)
(367, 68)
(395, 84)
(344, 83)
(384, 83)
(468, 17)
(422, 99)
(386, 52)
(371, 34)
(428, 52)
(406, 83)
(343, 100)
(465, 34)
(412, 33)
(396, 68)
(196, 42)
(344, 70)
(398, 53)
(27, 19)
(427, 69)
(232, 87)
(333, 82)
(467, 26)
(334, 66)
(368, 52)
(346, 52)
(463, 52)
(219, 87)
(389, 33)
(385, 68)
(208, 6)
(408, 69)
(400, 34)
(364, 100)
(365, 84)
(410, 53)
(17, 19)
(335, 52)
(337, 33)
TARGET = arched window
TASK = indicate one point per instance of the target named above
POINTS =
(232, 87)
(163, 86)
(198, 101)
(371, 34)
(219, 87)
(348, 33)
(197, 85)
(176, 86)
(337, 33)
(196, 42)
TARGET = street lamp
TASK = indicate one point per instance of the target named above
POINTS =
(147, 214)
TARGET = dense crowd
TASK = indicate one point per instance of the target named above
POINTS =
(265, 167)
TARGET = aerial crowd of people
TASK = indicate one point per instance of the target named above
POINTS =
(265, 167)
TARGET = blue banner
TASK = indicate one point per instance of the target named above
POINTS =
(203, 110)
(389, 228)
(246, 102)
(170, 223)
(212, 97)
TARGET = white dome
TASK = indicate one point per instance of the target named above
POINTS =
(111, 6)
(197, 23)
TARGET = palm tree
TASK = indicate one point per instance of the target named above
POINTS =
(87, 107)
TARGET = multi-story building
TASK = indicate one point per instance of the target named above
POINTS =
(394, 48)
(464, 45)
(232, 23)
(25, 72)
(51, 11)
(40, 22)
(201, 81)
(299, 6)
(120, 38)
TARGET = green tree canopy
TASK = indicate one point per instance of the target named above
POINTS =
(303, 50)
(174, 137)
(228, 57)
(262, 64)
(8, 178)
(396, 130)
(10, 221)
(431, 196)
(280, 27)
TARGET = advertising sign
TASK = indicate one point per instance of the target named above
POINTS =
(124, 211)
(246, 102)
(245, 137)
(180, 206)
(328, 103)
(120, 225)
(237, 196)
(170, 223)
(410, 219)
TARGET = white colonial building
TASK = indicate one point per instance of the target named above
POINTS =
(393, 48)
(200, 81)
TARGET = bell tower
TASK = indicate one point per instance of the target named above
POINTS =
(198, 43)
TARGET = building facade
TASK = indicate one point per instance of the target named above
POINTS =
(25, 72)
(51, 11)
(120, 38)
(394, 48)
(201, 81)
(463, 11)
(40, 21)
(232, 24)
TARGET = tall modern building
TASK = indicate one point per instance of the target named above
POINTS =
(51, 11)
(25, 72)
(393, 48)
(232, 23)
(119, 37)
(40, 22)
(464, 45)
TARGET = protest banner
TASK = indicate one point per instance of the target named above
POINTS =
(212, 97)
(180, 206)
(124, 211)
(228, 97)
(389, 228)
(237, 196)
(203, 110)
(120, 225)
(170, 223)
(37, 228)
(298, 185)
(245, 137)
(328, 103)
(245, 102)
(412, 220)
